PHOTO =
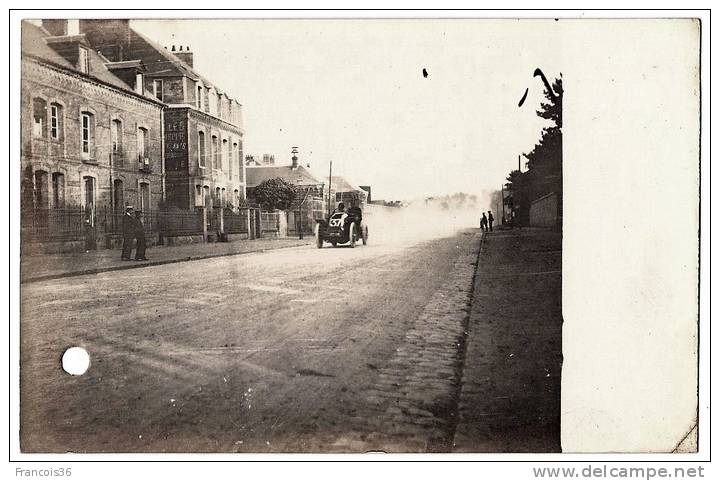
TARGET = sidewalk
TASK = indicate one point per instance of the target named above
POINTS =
(52, 266)
(510, 395)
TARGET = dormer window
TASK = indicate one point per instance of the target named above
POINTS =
(83, 60)
(158, 89)
(139, 84)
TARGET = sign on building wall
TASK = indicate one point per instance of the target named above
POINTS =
(176, 142)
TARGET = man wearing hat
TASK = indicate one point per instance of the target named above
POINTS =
(140, 236)
(128, 230)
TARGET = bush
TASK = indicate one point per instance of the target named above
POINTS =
(275, 194)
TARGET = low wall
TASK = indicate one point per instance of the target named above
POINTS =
(544, 211)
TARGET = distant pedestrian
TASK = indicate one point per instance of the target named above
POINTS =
(483, 223)
(128, 231)
(490, 220)
(140, 237)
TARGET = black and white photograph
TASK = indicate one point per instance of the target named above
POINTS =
(345, 234)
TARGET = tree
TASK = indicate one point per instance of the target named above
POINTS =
(275, 194)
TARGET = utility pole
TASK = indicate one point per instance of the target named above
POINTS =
(518, 162)
(329, 188)
(502, 201)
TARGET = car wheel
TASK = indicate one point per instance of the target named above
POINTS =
(353, 235)
(318, 239)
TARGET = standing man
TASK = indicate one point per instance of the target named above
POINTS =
(128, 230)
(355, 212)
(490, 220)
(140, 236)
(483, 223)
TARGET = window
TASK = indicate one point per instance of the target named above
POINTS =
(199, 98)
(214, 151)
(41, 189)
(158, 89)
(139, 86)
(116, 136)
(201, 149)
(89, 191)
(39, 117)
(118, 196)
(232, 159)
(217, 202)
(58, 190)
(145, 198)
(87, 133)
(198, 196)
(142, 143)
(223, 200)
(83, 61)
(207, 202)
(56, 121)
(225, 154)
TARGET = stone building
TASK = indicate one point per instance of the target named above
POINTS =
(203, 133)
(91, 135)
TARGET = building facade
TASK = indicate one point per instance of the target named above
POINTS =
(91, 137)
(309, 204)
(203, 134)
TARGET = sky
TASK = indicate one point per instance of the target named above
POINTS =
(353, 92)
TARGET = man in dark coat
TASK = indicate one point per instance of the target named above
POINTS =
(128, 231)
(490, 220)
(140, 236)
(483, 223)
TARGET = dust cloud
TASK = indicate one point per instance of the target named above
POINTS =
(417, 222)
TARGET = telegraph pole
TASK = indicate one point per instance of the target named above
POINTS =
(329, 188)
(502, 201)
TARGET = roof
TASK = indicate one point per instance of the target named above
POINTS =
(301, 175)
(34, 45)
(340, 184)
(159, 61)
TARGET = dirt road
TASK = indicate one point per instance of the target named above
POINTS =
(295, 350)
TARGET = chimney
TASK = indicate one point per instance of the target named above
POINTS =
(56, 26)
(109, 36)
(185, 55)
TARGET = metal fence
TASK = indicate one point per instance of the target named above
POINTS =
(110, 222)
(75, 223)
(236, 223)
(269, 221)
(180, 222)
(43, 225)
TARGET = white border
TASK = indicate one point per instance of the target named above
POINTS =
(198, 470)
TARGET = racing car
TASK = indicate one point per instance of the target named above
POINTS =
(340, 228)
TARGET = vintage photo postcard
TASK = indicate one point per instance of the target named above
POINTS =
(358, 235)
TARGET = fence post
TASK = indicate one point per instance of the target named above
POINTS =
(204, 216)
